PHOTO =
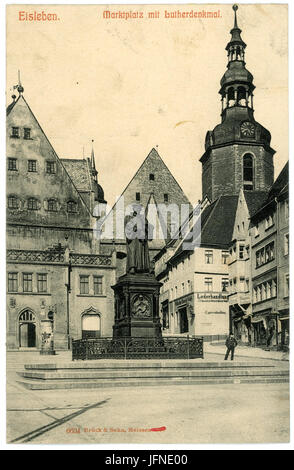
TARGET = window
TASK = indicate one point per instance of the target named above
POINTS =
(225, 284)
(12, 202)
(269, 222)
(248, 171)
(189, 286)
(12, 164)
(32, 165)
(209, 256)
(27, 282)
(52, 206)
(98, 290)
(247, 285)
(241, 251)
(71, 206)
(27, 133)
(287, 209)
(42, 282)
(286, 285)
(183, 288)
(265, 254)
(242, 284)
(265, 291)
(165, 197)
(84, 284)
(286, 244)
(256, 230)
(50, 167)
(138, 197)
(12, 282)
(151, 177)
(32, 204)
(15, 133)
(208, 284)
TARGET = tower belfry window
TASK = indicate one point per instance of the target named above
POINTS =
(248, 171)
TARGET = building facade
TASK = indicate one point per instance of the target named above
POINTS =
(56, 269)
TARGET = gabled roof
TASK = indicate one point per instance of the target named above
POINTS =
(279, 185)
(217, 224)
(254, 200)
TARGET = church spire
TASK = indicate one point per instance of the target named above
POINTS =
(237, 83)
(93, 166)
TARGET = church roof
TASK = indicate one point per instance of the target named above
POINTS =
(79, 172)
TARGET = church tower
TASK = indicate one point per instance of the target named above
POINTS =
(237, 154)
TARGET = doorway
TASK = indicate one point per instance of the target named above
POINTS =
(27, 330)
(91, 326)
(184, 324)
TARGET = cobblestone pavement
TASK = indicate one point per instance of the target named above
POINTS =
(239, 413)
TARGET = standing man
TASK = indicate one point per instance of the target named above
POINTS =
(231, 343)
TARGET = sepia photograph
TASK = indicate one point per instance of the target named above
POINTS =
(147, 225)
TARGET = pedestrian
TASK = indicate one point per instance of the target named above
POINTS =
(231, 343)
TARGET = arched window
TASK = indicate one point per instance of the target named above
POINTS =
(248, 168)
(52, 205)
(241, 96)
(32, 204)
(12, 202)
(231, 97)
(71, 207)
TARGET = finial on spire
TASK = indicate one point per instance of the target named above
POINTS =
(93, 160)
(20, 88)
(235, 8)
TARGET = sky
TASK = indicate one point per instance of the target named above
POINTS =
(131, 85)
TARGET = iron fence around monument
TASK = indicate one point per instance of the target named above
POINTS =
(178, 347)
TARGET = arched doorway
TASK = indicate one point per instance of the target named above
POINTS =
(27, 329)
(91, 324)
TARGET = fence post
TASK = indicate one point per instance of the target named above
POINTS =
(188, 349)
(125, 341)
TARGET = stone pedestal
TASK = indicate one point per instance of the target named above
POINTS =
(47, 347)
(137, 306)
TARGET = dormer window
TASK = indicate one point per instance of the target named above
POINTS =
(15, 133)
(27, 133)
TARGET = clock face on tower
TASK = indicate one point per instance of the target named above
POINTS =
(247, 129)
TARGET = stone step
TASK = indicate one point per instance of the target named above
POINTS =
(146, 364)
(153, 382)
(79, 374)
